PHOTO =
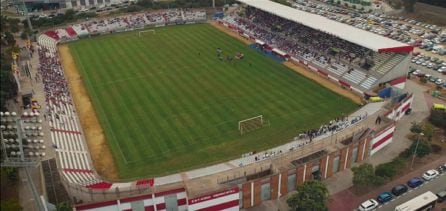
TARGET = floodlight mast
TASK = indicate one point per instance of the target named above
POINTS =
(21, 162)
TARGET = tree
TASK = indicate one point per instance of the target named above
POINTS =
(428, 131)
(312, 195)
(438, 118)
(63, 206)
(409, 5)
(10, 205)
(385, 170)
(416, 128)
(424, 148)
(12, 174)
(363, 175)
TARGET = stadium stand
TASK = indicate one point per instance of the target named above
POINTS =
(354, 76)
(341, 58)
(71, 32)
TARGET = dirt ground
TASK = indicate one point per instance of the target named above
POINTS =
(324, 82)
(301, 70)
(230, 33)
(95, 138)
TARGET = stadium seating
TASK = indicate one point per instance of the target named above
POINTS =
(80, 30)
(354, 76)
(47, 42)
(52, 34)
(337, 68)
(71, 32)
(390, 63)
(369, 82)
(62, 33)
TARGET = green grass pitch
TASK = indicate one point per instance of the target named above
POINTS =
(167, 103)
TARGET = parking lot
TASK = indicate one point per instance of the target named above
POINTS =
(427, 38)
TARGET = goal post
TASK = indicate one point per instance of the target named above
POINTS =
(150, 31)
(251, 124)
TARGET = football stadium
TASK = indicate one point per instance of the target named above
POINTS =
(167, 98)
(182, 109)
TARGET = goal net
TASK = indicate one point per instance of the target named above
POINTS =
(150, 31)
(251, 124)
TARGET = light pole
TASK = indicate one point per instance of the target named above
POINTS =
(416, 148)
(19, 150)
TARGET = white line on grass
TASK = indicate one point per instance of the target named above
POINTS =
(87, 79)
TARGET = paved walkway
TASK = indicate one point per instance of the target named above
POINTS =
(30, 85)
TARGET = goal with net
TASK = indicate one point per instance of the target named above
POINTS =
(150, 31)
(251, 124)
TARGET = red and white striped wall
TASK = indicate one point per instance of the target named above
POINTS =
(223, 200)
(400, 109)
(148, 200)
(382, 139)
(399, 82)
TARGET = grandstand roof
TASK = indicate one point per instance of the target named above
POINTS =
(357, 36)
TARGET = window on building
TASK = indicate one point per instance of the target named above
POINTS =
(335, 164)
(291, 185)
(265, 191)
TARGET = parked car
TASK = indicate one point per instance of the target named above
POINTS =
(368, 205)
(433, 79)
(439, 82)
(399, 189)
(384, 197)
(430, 174)
(415, 182)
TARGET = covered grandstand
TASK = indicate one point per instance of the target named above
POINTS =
(352, 57)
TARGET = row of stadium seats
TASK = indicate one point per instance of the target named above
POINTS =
(66, 134)
(390, 63)
(48, 42)
(337, 69)
(124, 23)
(354, 76)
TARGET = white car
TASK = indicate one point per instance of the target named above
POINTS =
(439, 82)
(368, 205)
(430, 174)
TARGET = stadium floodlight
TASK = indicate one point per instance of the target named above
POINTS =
(21, 147)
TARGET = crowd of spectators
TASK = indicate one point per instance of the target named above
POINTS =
(301, 41)
(139, 21)
(54, 84)
(304, 138)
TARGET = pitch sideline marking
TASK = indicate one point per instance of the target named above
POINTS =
(87, 79)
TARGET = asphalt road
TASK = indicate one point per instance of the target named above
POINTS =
(436, 185)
